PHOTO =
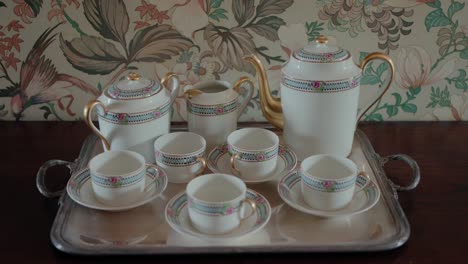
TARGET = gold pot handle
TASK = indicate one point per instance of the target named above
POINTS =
(364, 63)
(175, 84)
(245, 98)
(89, 120)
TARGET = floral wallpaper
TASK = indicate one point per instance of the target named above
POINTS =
(56, 55)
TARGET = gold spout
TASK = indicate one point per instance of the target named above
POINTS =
(271, 106)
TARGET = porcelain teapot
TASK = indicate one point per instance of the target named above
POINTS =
(133, 112)
(318, 109)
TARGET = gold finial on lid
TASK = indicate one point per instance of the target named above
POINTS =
(133, 76)
(321, 39)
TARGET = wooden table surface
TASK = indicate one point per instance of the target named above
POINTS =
(437, 209)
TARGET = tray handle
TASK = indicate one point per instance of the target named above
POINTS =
(41, 174)
(415, 176)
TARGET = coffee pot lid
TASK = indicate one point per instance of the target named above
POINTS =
(321, 51)
(133, 86)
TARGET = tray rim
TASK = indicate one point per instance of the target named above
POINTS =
(389, 194)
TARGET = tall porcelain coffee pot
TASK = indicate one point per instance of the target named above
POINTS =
(318, 109)
(133, 112)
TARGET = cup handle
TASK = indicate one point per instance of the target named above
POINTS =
(150, 185)
(364, 63)
(89, 120)
(253, 207)
(246, 96)
(202, 160)
(362, 188)
(234, 165)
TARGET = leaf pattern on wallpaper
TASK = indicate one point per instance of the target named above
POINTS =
(230, 46)
(272, 7)
(157, 43)
(108, 17)
(243, 10)
(91, 54)
(268, 27)
(95, 55)
(388, 22)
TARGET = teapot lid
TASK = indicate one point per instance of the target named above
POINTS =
(133, 87)
(320, 51)
(321, 60)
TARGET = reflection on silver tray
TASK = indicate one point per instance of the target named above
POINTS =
(143, 230)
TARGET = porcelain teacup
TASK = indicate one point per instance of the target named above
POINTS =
(216, 203)
(328, 181)
(180, 155)
(254, 152)
(118, 177)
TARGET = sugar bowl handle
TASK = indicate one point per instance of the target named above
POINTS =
(246, 95)
(175, 84)
(89, 120)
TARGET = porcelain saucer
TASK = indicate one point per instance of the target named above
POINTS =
(289, 189)
(177, 217)
(80, 190)
(218, 162)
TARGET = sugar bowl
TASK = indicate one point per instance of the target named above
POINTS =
(133, 112)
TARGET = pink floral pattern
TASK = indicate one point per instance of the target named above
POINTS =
(329, 186)
(115, 181)
(261, 157)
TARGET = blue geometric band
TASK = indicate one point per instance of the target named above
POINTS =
(336, 56)
(253, 156)
(212, 110)
(211, 209)
(321, 86)
(327, 185)
(137, 118)
(179, 160)
(117, 181)
(116, 93)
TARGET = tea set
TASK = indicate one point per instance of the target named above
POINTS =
(317, 111)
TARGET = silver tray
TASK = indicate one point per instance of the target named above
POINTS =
(143, 230)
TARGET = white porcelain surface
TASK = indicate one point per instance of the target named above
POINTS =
(219, 162)
(289, 189)
(216, 203)
(258, 152)
(137, 137)
(319, 123)
(215, 128)
(177, 153)
(80, 190)
(177, 216)
(333, 179)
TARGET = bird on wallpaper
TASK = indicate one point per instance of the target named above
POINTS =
(41, 83)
